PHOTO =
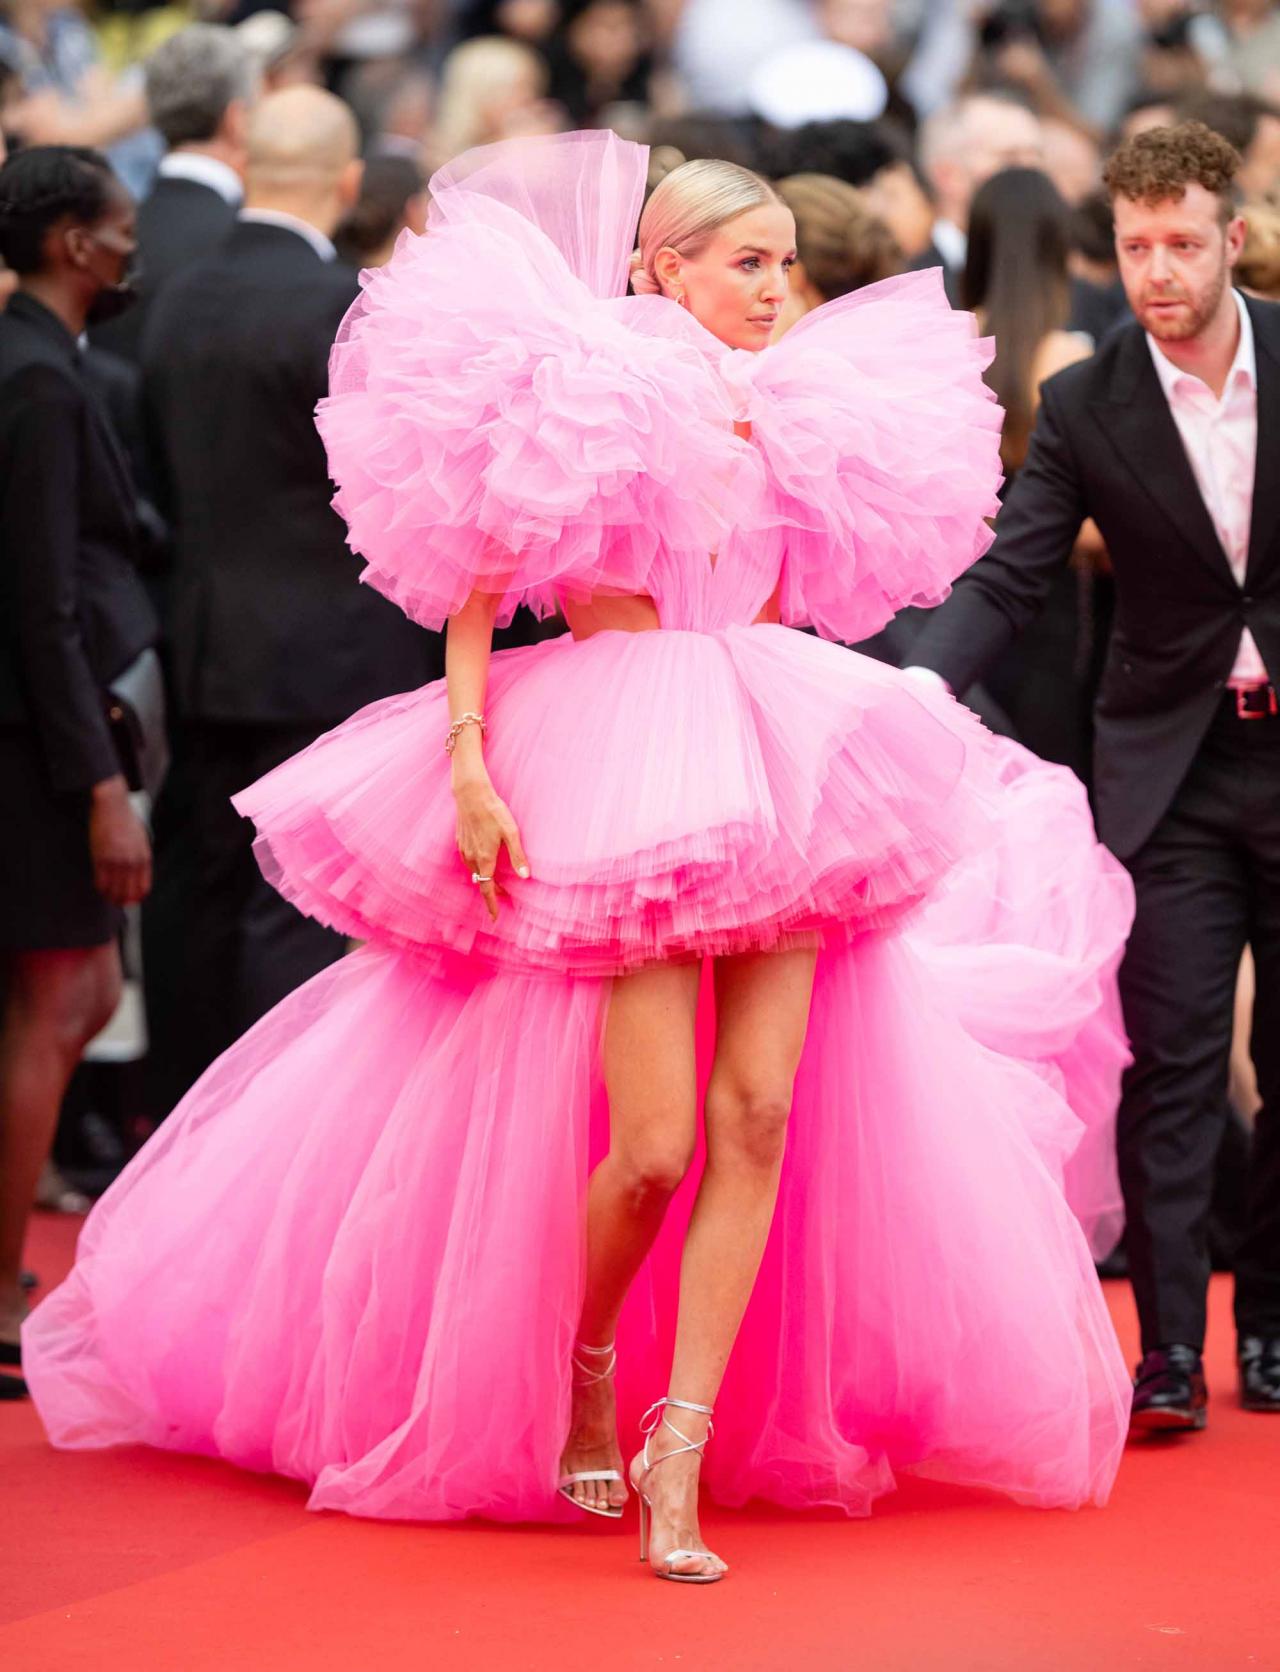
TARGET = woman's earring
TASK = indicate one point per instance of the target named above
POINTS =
(682, 301)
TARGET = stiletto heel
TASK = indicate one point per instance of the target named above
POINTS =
(588, 1377)
(649, 1424)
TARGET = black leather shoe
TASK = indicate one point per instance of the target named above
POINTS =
(1260, 1372)
(1169, 1394)
(11, 1353)
(13, 1387)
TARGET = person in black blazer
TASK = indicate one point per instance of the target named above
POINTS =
(73, 616)
(200, 86)
(961, 147)
(271, 638)
(1167, 438)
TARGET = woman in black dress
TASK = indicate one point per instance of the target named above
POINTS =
(73, 616)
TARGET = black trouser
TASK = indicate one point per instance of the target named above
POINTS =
(220, 946)
(1208, 884)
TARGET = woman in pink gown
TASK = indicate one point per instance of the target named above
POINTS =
(692, 860)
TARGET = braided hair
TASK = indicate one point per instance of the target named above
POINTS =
(41, 185)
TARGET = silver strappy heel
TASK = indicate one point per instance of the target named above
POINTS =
(649, 1423)
(587, 1377)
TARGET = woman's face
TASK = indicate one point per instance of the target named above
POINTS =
(737, 285)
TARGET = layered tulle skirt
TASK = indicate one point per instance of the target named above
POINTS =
(355, 1253)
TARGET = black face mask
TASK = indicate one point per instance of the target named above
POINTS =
(114, 299)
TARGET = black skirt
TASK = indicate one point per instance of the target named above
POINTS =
(47, 898)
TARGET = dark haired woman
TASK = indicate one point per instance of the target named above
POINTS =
(393, 197)
(73, 615)
(1017, 280)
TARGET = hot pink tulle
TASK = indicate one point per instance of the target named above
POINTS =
(545, 435)
(354, 1254)
(709, 806)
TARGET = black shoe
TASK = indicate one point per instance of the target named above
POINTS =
(11, 1353)
(1260, 1372)
(13, 1387)
(1169, 1394)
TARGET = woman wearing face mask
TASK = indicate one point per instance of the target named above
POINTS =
(449, 1182)
(73, 615)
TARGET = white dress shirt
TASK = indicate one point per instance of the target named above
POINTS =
(220, 177)
(951, 244)
(1221, 441)
(323, 246)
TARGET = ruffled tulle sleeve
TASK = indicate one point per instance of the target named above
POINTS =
(494, 420)
(881, 442)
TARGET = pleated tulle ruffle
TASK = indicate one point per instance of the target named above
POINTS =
(736, 791)
(544, 435)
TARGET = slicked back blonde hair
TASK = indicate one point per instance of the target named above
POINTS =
(688, 208)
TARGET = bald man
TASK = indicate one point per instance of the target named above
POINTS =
(272, 639)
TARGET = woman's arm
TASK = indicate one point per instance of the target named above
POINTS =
(46, 118)
(485, 823)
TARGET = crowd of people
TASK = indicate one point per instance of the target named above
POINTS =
(247, 165)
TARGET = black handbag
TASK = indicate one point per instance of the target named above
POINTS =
(135, 709)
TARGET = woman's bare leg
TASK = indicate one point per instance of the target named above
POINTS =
(54, 1003)
(762, 1013)
(650, 1076)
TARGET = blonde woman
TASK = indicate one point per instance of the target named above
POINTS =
(662, 1071)
(491, 88)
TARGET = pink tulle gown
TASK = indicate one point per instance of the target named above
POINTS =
(355, 1252)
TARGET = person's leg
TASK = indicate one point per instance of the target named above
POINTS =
(190, 921)
(55, 1001)
(650, 1078)
(278, 947)
(762, 1014)
(1177, 986)
(1257, 1261)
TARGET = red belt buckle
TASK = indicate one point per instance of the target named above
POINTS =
(1245, 712)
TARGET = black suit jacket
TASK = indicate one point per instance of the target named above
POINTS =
(951, 276)
(269, 623)
(178, 222)
(73, 613)
(1105, 445)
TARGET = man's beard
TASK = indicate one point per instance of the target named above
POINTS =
(1182, 327)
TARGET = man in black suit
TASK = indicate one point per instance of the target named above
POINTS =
(961, 147)
(272, 639)
(1167, 439)
(200, 86)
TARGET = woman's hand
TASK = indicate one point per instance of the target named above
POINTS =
(118, 845)
(485, 826)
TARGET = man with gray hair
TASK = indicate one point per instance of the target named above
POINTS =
(961, 147)
(200, 86)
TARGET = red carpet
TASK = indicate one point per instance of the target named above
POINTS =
(139, 1561)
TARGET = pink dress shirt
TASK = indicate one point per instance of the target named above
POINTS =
(1221, 440)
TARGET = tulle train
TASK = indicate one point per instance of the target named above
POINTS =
(354, 1255)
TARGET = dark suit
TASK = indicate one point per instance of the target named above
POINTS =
(271, 640)
(72, 615)
(178, 222)
(1186, 794)
(952, 277)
